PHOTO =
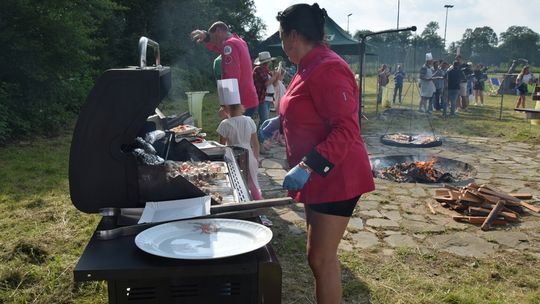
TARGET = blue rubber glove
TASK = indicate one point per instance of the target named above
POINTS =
(296, 178)
(268, 127)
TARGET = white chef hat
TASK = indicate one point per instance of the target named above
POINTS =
(429, 56)
(228, 91)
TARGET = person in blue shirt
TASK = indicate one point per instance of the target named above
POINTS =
(399, 76)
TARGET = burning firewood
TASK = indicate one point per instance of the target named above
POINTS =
(484, 205)
(418, 171)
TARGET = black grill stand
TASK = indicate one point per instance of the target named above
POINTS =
(134, 276)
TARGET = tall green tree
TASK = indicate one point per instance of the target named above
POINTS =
(48, 47)
(57, 47)
(170, 23)
(390, 48)
(520, 42)
(430, 41)
(480, 45)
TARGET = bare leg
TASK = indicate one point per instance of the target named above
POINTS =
(255, 192)
(481, 93)
(464, 102)
(423, 106)
(520, 102)
(324, 232)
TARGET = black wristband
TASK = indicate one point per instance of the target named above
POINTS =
(206, 37)
(318, 163)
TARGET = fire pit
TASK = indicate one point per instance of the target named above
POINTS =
(421, 169)
(411, 140)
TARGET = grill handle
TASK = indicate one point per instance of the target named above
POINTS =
(143, 44)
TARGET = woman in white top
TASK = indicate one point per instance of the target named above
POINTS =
(240, 131)
(522, 82)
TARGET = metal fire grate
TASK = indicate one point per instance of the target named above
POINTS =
(462, 173)
(236, 176)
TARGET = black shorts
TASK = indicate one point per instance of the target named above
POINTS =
(522, 89)
(479, 86)
(341, 208)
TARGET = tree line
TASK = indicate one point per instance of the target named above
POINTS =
(479, 45)
(53, 50)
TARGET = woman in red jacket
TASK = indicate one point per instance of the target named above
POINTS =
(319, 118)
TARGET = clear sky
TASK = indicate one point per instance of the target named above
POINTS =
(378, 15)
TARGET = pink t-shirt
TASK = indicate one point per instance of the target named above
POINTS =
(236, 63)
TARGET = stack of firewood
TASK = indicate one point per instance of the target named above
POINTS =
(483, 204)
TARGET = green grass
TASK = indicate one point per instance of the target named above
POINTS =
(43, 234)
(486, 121)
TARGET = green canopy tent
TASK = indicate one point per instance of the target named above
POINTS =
(339, 40)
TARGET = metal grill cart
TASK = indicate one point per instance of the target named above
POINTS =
(134, 276)
(107, 177)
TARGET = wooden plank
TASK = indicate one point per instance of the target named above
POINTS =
(442, 192)
(478, 220)
(530, 207)
(431, 208)
(492, 216)
(504, 196)
(521, 195)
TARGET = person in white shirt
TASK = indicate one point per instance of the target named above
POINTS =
(239, 130)
(522, 82)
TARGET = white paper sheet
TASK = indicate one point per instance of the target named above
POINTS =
(175, 210)
(228, 92)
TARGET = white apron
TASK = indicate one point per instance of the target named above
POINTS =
(427, 87)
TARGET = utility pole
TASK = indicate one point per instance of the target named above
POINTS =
(397, 14)
(348, 23)
(447, 6)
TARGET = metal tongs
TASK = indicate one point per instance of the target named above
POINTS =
(231, 210)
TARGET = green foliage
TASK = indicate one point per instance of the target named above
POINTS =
(50, 46)
(58, 47)
(479, 45)
(521, 42)
(430, 39)
(4, 112)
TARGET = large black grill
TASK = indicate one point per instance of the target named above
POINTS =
(105, 174)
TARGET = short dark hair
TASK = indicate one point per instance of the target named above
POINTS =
(308, 20)
(218, 25)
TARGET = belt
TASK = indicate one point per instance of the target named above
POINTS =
(270, 94)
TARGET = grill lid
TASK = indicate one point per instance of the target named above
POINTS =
(100, 173)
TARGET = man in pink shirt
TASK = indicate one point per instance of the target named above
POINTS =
(235, 60)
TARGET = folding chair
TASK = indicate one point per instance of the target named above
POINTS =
(494, 85)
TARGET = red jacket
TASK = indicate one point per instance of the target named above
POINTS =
(319, 117)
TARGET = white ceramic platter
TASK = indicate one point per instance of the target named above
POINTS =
(203, 239)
